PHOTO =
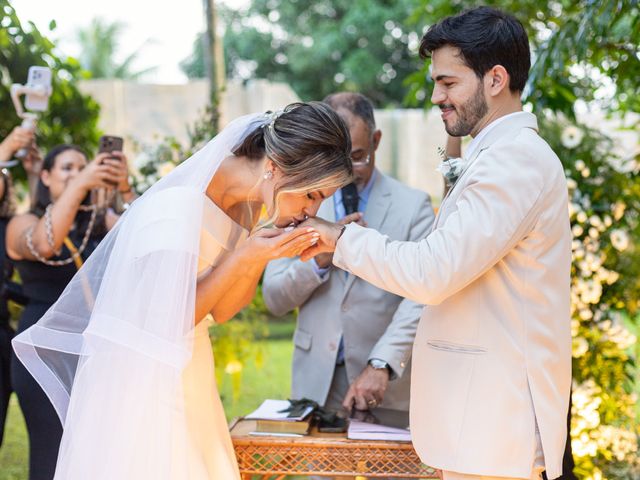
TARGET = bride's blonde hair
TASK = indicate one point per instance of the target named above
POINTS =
(309, 143)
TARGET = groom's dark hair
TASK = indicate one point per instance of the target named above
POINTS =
(485, 37)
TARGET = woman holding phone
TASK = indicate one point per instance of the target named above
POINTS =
(48, 245)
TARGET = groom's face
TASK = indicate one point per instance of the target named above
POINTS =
(458, 92)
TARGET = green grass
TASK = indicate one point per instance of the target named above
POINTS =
(14, 454)
(273, 380)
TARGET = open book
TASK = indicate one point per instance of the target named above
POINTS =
(270, 419)
(371, 431)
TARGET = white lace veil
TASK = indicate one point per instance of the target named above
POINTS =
(136, 292)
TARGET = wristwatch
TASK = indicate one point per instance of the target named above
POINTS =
(378, 364)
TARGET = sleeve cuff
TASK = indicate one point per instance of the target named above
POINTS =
(339, 254)
(319, 271)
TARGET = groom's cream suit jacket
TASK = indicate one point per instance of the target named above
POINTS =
(492, 355)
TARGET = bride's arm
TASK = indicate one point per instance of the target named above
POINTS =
(231, 285)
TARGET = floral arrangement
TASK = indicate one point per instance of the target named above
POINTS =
(153, 162)
(604, 195)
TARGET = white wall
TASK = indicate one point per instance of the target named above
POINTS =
(146, 113)
(410, 137)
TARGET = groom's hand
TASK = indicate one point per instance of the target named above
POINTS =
(325, 260)
(367, 391)
(329, 233)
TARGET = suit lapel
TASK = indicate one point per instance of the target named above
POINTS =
(449, 193)
(377, 208)
(508, 128)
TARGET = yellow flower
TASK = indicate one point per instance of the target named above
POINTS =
(165, 169)
(618, 210)
(612, 277)
(619, 240)
(233, 366)
(595, 221)
(580, 347)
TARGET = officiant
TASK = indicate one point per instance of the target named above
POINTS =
(352, 340)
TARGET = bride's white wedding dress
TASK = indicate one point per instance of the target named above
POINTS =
(118, 355)
(195, 441)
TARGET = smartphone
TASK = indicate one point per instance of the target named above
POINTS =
(38, 77)
(110, 143)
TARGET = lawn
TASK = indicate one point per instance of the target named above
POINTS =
(271, 381)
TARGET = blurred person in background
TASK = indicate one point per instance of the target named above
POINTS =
(17, 139)
(48, 245)
(353, 340)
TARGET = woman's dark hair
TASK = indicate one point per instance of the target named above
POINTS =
(485, 37)
(43, 196)
(308, 142)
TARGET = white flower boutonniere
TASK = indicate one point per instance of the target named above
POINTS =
(451, 168)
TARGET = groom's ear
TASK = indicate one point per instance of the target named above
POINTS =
(497, 80)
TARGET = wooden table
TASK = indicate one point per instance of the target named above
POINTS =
(323, 454)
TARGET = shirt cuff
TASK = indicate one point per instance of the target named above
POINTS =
(321, 272)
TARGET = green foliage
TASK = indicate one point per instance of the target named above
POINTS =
(72, 117)
(320, 47)
(193, 66)
(100, 44)
(605, 217)
(235, 346)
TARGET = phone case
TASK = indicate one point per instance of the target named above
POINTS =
(38, 76)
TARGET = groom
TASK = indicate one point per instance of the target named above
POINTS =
(492, 355)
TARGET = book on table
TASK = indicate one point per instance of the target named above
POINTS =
(380, 424)
(270, 417)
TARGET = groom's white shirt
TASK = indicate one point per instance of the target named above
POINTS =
(492, 355)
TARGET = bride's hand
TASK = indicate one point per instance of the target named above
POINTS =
(270, 243)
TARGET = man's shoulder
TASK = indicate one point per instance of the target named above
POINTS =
(401, 192)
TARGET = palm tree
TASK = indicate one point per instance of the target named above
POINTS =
(100, 43)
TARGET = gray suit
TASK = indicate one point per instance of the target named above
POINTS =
(374, 323)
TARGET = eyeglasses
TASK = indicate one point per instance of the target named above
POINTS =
(361, 162)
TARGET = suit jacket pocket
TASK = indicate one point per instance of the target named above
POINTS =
(302, 339)
(456, 347)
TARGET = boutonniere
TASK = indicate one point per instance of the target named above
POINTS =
(451, 168)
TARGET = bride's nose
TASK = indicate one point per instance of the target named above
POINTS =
(312, 210)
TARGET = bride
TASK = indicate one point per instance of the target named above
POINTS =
(124, 355)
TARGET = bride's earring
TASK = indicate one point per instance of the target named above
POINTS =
(268, 175)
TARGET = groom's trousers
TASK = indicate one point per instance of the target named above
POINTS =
(536, 473)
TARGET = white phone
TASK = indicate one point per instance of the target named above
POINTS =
(38, 77)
